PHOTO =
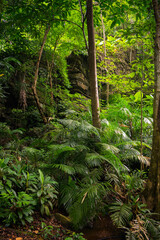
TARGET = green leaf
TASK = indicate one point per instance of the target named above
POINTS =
(41, 176)
(138, 96)
(114, 23)
(20, 214)
(42, 209)
(39, 193)
(47, 210)
(29, 219)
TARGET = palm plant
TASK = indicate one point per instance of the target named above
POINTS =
(129, 213)
(84, 168)
(128, 149)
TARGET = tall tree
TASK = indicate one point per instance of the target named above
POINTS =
(152, 191)
(92, 66)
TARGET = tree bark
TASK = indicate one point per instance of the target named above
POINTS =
(92, 66)
(152, 191)
(34, 86)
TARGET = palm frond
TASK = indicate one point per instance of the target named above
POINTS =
(80, 168)
(130, 235)
(126, 111)
(144, 160)
(81, 129)
(88, 200)
(57, 149)
(12, 59)
(32, 154)
(65, 168)
(129, 153)
(107, 147)
(121, 135)
(85, 126)
(69, 123)
(121, 214)
(138, 228)
(105, 122)
(68, 192)
(93, 175)
(115, 162)
(153, 228)
(94, 159)
(137, 144)
(81, 213)
(94, 190)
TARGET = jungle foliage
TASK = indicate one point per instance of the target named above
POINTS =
(67, 164)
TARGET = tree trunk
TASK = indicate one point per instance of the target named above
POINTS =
(92, 66)
(83, 20)
(152, 191)
(36, 77)
(22, 94)
(50, 66)
(104, 40)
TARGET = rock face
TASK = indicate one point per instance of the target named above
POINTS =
(117, 63)
(78, 73)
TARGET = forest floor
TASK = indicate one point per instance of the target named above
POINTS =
(52, 229)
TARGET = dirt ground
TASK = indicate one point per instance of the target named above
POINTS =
(51, 229)
(102, 229)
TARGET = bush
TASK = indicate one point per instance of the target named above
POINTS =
(21, 193)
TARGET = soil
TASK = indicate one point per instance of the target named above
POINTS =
(102, 229)
(52, 229)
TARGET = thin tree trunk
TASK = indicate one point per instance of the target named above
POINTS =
(83, 20)
(22, 94)
(36, 77)
(152, 191)
(50, 79)
(50, 67)
(142, 80)
(104, 40)
(92, 66)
